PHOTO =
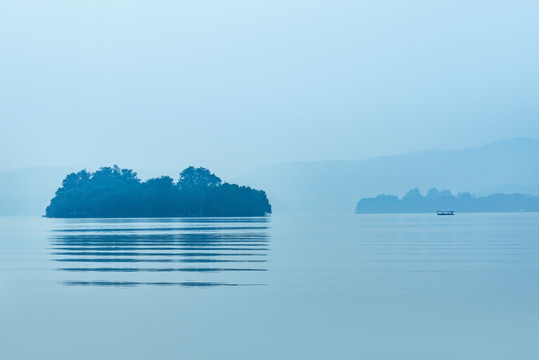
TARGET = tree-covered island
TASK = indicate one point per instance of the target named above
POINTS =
(115, 192)
(414, 202)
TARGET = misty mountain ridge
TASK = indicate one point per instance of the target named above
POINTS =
(336, 186)
(505, 166)
(27, 191)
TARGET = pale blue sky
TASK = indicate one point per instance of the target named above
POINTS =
(233, 85)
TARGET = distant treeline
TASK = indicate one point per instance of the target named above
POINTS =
(414, 202)
(115, 192)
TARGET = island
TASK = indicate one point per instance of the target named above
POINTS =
(112, 192)
(435, 200)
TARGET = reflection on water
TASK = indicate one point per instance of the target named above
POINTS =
(338, 287)
(136, 283)
(194, 252)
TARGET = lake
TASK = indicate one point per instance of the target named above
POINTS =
(414, 286)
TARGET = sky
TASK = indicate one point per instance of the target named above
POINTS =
(235, 85)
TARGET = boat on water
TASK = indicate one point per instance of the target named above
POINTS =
(445, 212)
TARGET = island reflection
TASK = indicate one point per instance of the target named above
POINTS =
(188, 252)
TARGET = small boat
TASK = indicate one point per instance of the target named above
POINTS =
(445, 212)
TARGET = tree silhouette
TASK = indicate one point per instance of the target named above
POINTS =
(414, 202)
(115, 192)
(198, 178)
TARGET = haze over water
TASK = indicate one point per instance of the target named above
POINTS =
(311, 286)
(319, 104)
(236, 85)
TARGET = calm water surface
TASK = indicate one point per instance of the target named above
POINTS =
(287, 287)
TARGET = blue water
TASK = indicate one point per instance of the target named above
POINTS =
(286, 287)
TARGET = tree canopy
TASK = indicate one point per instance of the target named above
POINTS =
(414, 202)
(116, 192)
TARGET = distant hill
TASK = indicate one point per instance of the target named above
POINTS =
(507, 166)
(335, 186)
(28, 191)
(414, 202)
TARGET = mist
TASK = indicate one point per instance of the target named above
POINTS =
(239, 85)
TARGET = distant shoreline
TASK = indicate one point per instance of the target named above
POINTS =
(415, 203)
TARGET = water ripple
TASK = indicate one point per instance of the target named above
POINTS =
(222, 245)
